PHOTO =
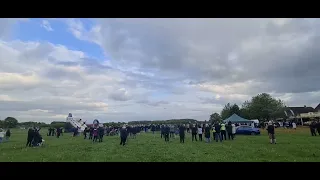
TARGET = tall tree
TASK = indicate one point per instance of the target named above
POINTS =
(229, 110)
(10, 122)
(263, 106)
(215, 117)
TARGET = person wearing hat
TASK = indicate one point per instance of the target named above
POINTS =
(123, 135)
(270, 130)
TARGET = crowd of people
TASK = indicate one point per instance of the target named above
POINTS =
(218, 132)
(55, 131)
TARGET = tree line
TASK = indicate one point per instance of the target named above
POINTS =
(263, 107)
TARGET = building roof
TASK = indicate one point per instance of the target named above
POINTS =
(317, 108)
(299, 110)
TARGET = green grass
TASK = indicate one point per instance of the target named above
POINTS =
(292, 146)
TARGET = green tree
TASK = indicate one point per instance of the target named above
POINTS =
(215, 117)
(1, 124)
(229, 110)
(10, 122)
(263, 107)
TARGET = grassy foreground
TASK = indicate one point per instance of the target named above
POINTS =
(292, 146)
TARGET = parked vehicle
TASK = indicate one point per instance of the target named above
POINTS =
(247, 130)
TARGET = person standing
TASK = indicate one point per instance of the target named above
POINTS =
(123, 136)
(200, 133)
(182, 130)
(101, 133)
(223, 131)
(90, 133)
(153, 128)
(318, 127)
(58, 132)
(188, 128)
(270, 130)
(233, 130)
(207, 133)
(134, 131)
(217, 129)
(313, 128)
(30, 137)
(213, 132)
(95, 135)
(171, 131)
(162, 130)
(8, 134)
(294, 125)
(85, 132)
(229, 130)
(166, 133)
(194, 132)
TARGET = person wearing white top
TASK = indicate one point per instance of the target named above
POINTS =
(200, 132)
(233, 130)
(294, 126)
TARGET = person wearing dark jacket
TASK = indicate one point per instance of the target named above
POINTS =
(58, 132)
(30, 137)
(166, 133)
(90, 132)
(76, 130)
(153, 129)
(229, 130)
(134, 132)
(8, 134)
(162, 130)
(217, 129)
(85, 132)
(270, 130)
(194, 133)
(313, 129)
(101, 133)
(182, 130)
(207, 133)
(123, 136)
(318, 127)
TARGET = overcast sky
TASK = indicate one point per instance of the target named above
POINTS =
(149, 69)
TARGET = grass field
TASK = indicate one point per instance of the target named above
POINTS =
(292, 145)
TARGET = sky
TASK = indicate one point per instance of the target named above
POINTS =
(153, 69)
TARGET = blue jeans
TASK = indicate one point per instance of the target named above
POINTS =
(218, 135)
(208, 140)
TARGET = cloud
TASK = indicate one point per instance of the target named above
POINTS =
(46, 25)
(159, 68)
